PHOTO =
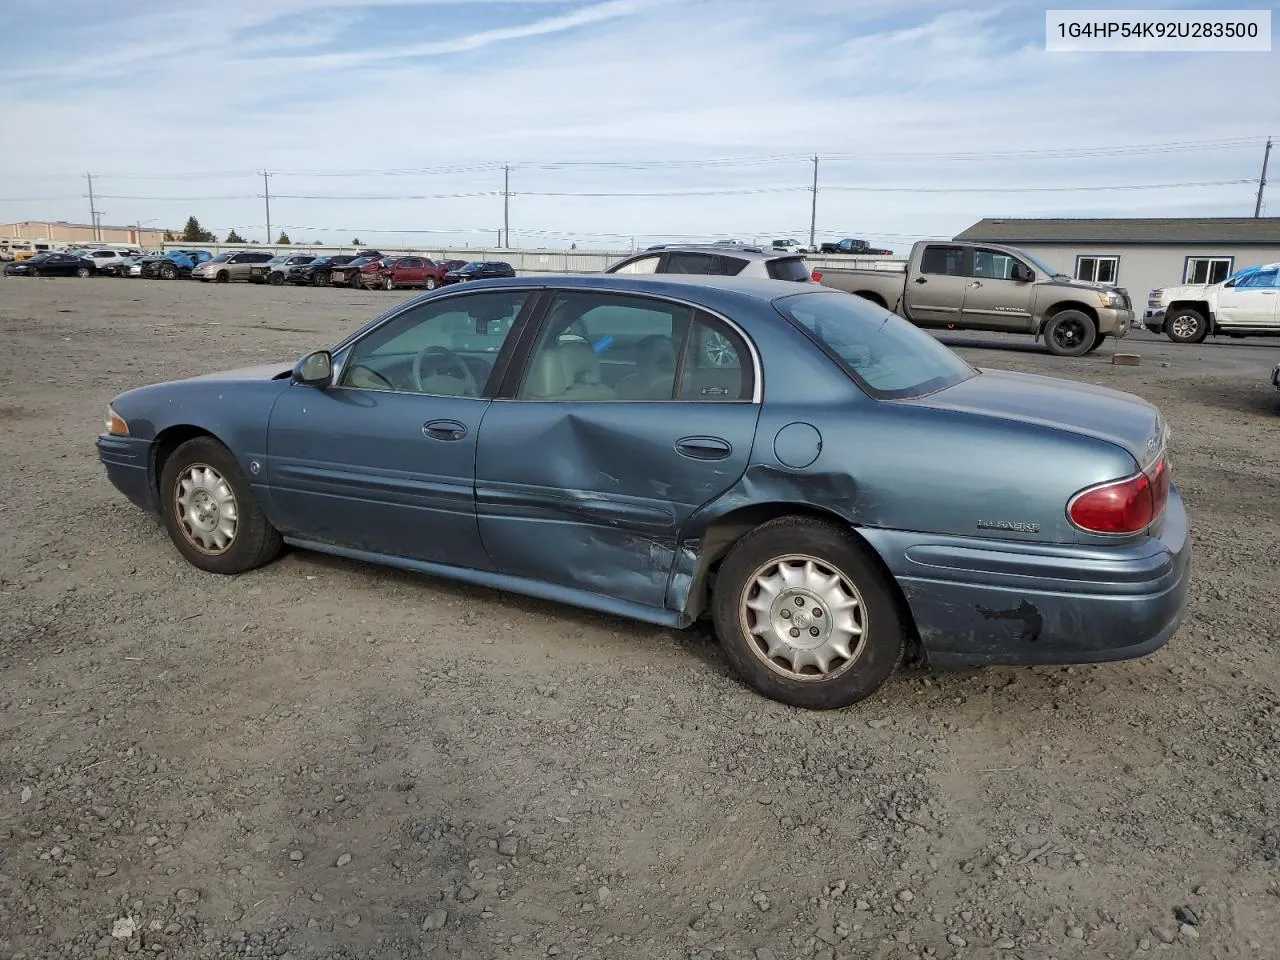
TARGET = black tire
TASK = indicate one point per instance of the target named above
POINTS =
(320, 279)
(388, 284)
(254, 542)
(354, 283)
(1070, 333)
(223, 277)
(794, 539)
(82, 272)
(1186, 325)
(35, 272)
(1098, 341)
(275, 278)
(168, 271)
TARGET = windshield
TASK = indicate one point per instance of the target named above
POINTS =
(890, 358)
(469, 268)
(221, 258)
(1041, 266)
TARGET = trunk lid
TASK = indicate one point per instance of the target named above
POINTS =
(1082, 408)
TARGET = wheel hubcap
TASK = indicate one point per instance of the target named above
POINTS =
(206, 508)
(1184, 327)
(804, 619)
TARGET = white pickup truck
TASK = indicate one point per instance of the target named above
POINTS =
(1247, 303)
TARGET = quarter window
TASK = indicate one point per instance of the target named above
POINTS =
(1098, 269)
(642, 265)
(1207, 269)
(609, 347)
(444, 348)
(948, 261)
(705, 264)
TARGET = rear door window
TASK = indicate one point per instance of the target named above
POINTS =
(948, 261)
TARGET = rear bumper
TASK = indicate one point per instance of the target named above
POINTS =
(127, 461)
(978, 602)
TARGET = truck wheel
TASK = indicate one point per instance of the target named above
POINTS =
(1098, 341)
(1186, 325)
(873, 298)
(1070, 333)
(805, 616)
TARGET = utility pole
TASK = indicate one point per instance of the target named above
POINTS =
(1262, 180)
(93, 214)
(506, 206)
(266, 195)
(813, 209)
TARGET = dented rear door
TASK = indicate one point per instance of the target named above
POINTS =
(587, 484)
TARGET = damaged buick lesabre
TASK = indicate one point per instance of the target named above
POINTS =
(825, 483)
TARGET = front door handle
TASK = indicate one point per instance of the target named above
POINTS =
(703, 448)
(444, 430)
(975, 285)
(921, 280)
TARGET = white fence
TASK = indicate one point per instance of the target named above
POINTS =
(524, 261)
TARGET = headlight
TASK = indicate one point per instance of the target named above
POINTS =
(1111, 298)
(115, 424)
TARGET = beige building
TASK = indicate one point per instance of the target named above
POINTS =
(62, 233)
(1139, 254)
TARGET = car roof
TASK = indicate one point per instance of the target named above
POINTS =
(714, 290)
(747, 250)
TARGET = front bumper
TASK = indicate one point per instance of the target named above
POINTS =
(1115, 321)
(978, 602)
(127, 461)
(1153, 319)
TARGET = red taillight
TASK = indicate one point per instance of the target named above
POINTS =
(1124, 507)
(817, 276)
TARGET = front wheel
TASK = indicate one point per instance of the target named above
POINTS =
(1070, 333)
(805, 616)
(430, 284)
(209, 510)
(223, 277)
(320, 279)
(1186, 325)
(1101, 338)
(82, 272)
(388, 284)
(168, 272)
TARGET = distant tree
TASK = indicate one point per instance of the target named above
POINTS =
(194, 233)
(234, 237)
(168, 236)
(284, 238)
(357, 242)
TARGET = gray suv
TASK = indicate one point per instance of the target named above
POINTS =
(722, 260)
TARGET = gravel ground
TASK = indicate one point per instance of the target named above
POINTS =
(326, 759)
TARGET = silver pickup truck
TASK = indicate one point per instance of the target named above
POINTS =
(985, 286)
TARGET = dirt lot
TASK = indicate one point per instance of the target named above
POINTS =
(324, 759)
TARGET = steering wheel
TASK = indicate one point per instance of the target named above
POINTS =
(453, 364)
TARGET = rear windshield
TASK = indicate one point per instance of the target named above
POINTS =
(788, 268)
(890, 358)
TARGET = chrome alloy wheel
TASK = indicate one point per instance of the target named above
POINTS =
(804, 618)
(1185, 326)
(207, 511)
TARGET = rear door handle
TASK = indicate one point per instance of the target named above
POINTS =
(444, 430)
(921, 280)
(703, 448)
(975, 284)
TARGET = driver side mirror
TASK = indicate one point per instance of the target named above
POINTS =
(314, 370)
(1022, 273)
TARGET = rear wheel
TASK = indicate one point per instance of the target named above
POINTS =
(168, 272)
(223, 277)
(1070, 333)
(805, 616)
(430, 284)
(82, 272)
(275, 278)
(35, 272)
(1186, 325)
(320, 279)
(388, 284)
(209, 510)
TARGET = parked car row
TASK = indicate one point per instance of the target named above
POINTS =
(365, 269)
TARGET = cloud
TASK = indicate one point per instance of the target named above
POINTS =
(337, 86)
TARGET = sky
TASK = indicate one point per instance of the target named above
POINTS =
(615, 122)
